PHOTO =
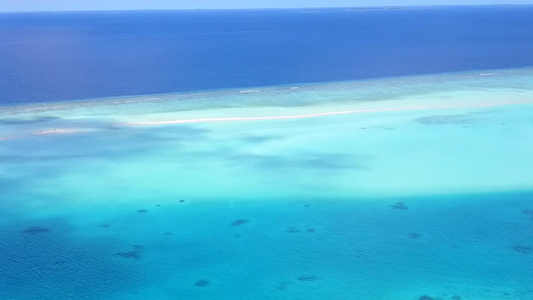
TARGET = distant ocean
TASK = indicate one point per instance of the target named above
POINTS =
(47, 57)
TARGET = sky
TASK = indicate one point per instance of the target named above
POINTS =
(70, 5)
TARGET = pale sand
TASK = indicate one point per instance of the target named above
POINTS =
(314, 142)
(56, 131)
(226, 115)
(324, 114)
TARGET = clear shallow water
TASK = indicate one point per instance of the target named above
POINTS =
(475, 246)
(384, 204)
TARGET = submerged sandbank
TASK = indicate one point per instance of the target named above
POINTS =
(316, 115)
(439, 91)
(438, 134)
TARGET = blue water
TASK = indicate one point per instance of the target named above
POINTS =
(472, 246)
(392, 203)
(54, 57)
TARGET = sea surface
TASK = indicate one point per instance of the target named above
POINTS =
(330, 154)
(47, 57)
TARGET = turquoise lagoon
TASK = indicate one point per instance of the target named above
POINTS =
(394, 188)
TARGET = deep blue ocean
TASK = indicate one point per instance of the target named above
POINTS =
(63, 56)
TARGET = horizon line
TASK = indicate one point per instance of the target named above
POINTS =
(370, 7)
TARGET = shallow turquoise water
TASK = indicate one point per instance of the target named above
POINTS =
(475, 246)
(385, 204)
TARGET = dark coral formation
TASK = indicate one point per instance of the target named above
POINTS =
(142, 210)
(28, 121)
(399, 206)
(130, 254)
(307, 278)
(293, 229)
(201, 283)
(239, 222)
(522, 249)
(133, 254)
(181, 201)
(445, 119)
(283, 285)
(36, 230)
(414, 235)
